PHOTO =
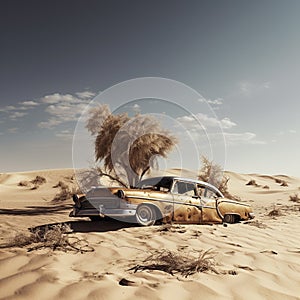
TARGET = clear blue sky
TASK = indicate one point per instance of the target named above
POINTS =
(242, 56)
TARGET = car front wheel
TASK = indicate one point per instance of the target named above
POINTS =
(145, 215)
(231, 218)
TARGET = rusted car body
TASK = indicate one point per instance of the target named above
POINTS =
(169, 198)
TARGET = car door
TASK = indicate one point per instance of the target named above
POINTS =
(208, 201)
(186, 202)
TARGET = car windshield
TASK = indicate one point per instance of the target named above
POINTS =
(157, 183)
(185, 188)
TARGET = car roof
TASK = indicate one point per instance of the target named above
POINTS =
(184, 179)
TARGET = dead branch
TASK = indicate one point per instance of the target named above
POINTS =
(172, 262)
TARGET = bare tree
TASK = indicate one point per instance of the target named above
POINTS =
(210, 171)
(213, 173)
(128, 147)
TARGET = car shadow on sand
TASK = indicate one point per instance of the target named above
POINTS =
(36, 210)
(104, 225)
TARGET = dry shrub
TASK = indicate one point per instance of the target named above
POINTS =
(281, 182)
(20, 240)
(290, 208)
(24, 183)
(266, 187)
(295, 198)
(65, 192)
(70, 178)
(256, 223)
(38, 180)
(61, 184)
(213, 174)
(173, 262)
(54, 237)
(253, 183)
(34, 183)
(275, 213)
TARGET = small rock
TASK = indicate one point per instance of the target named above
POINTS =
(126, 282)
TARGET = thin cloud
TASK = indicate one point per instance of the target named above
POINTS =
(65, 134)
(62, 113)
(248, 88)
(7, 108)
(289, 131)
(195, 124)
(245, 87)
(59, 108)
(29, 103)
(64, 108)
(52, 122)
(85, 95)
(205, 121)
(13, 130)
(81, 97)
(17, 114)
(136, 108)
(60, 98)
(218, 101)
(242, 138)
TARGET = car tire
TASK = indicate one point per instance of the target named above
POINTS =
(145, 215)
(231, 218)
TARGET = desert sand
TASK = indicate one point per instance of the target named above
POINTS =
(259, 259)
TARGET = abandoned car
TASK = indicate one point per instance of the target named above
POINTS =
(166, 199)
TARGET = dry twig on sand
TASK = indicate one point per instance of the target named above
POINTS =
(173, 262)
(54, 237)
(171, 228)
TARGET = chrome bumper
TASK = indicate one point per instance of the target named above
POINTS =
(118, 212)
(114, 212)
(251, 215)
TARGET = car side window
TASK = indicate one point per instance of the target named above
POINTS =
(184, 188)
(208, 193)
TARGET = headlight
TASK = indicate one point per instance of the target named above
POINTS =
(121, 194)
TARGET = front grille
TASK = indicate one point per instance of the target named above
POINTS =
(102, 197)
(106, 202)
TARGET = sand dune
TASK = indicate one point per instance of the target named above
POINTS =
(256, 260)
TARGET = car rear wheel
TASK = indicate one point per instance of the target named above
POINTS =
(145, 215)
